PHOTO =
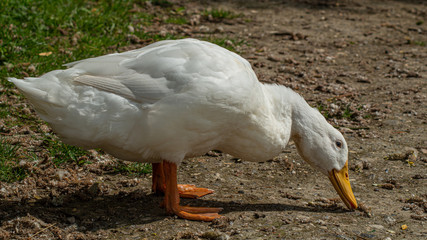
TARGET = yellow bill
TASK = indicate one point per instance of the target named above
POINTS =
(341, 184)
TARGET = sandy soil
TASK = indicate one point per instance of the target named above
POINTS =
(362, 62)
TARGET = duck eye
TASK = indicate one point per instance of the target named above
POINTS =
(339, 144)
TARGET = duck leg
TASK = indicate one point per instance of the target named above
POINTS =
(185, 190)
(158, 179)
(171, 200)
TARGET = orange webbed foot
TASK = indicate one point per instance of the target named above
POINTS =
(198, 214)
(191, 191)
(171, 200)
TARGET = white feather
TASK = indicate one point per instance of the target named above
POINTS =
(172, 100)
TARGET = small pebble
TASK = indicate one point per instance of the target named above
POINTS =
(60, 174)
(377, 226)
(389, 219)
(31, 68)
(131, 28)
(273, 58)
(303, 219)
(321, 222)
(219, 29)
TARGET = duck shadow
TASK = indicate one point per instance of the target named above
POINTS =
(133, 208)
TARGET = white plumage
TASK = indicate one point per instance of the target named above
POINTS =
(169, 100)
(176, 99)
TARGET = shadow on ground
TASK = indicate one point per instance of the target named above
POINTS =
(137, 207)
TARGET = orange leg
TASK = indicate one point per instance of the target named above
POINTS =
(171, 200)
(158, 179)
(185, 190)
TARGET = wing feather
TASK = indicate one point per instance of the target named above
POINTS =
(136, 89)
(151, 73)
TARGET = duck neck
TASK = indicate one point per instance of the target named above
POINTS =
(290, 105)
(304, 119)
(291, 111)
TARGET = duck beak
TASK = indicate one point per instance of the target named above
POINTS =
(341, 184)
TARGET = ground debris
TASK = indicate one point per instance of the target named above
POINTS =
(409, 155)
(290, 196)
(359, 166)
(389, 219)
(222, 222)
(417, 204)
(419, 176)
(185, 235)
(214, 235)
(390, 184)
(365, 209)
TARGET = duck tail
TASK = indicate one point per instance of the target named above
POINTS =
(44, 93)
(28, 88)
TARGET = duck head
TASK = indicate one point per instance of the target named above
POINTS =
(324, 148)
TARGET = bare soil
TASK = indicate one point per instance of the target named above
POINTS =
(363, 63)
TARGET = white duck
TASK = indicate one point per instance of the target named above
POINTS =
(181, 98)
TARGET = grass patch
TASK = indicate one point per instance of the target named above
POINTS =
(176, 20)
(343, 112)
(367, 116)
(63, 153)
(220, 14)
(9, 167)
(16, 116)
(132, 168)
(4, 110)
(323, 110)
(348, 113)
(162, 3)
(420, 43)
(70, 30)
(227, 43)
(40, 36)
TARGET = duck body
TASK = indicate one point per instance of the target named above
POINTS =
(167, 101)
(181, 98)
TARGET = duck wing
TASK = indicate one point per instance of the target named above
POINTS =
(151, 73)
(136, 75)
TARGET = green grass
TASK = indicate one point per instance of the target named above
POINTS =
(71, 30)
(132, 169)
(15, 116)
(40, 36)
(420, 43)
(177, 20)
(162, 3)
(220, 14)
(63, 153)
(10, 170)
(323, 110)
(345, 112)
(4, 110)
(348, 113)
(223, 43)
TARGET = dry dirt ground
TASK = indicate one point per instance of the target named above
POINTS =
(363, 63)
